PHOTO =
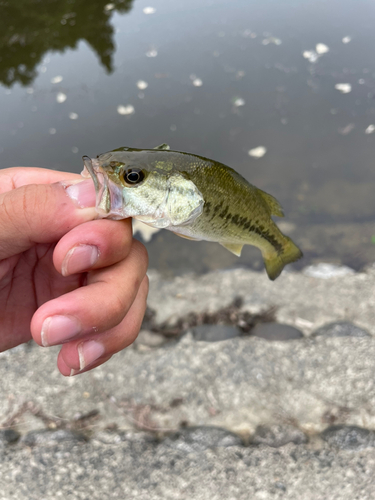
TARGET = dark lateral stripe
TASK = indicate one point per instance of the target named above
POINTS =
(216, 209)
(269, 237)
(247, 224)
(243, 223)
(224, 213)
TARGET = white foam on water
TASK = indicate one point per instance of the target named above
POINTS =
(152, 53)
(310, 55)
(57, 79)
(258, 152)
(321, 48)
(61, 97)
(238, 102)
(125, 110)
(344, 88)
(141, 84)
(149, 10)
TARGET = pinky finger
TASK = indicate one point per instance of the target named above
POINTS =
(84, 354)
(69, 372)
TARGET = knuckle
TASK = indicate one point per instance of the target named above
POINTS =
(119, 306)
(9, 211)
(141, 253)
(26, 207)
(132, 333)
(146, 284)
(18, 208)
(34, 205)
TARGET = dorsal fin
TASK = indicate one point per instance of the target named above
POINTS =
(163, 147)
(273, 204)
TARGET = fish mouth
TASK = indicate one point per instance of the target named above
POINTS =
(109, 196)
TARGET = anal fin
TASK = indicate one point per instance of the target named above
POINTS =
(235, 248)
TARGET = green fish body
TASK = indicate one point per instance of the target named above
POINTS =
(196, 198)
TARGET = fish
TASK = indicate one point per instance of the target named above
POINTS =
(192, 196)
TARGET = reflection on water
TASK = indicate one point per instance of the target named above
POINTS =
(30, 28)
(284, 92)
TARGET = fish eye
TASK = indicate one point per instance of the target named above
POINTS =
(133, 175)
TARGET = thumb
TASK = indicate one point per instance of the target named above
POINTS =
(43, 213)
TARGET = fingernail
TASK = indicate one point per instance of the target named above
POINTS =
(79, 259)
(59, 329)
(89, 352)
(82, 193)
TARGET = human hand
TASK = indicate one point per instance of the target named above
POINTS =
(66, 278)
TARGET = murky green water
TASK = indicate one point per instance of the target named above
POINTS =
(214, 77)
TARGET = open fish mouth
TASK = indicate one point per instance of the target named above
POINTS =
(109, 196)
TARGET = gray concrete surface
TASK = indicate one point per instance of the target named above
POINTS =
(135, 469)
(236, 419)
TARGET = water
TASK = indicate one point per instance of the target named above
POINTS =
(217, 78)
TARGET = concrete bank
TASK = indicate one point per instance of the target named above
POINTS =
(247, 417)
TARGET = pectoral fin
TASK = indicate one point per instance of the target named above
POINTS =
(233, 247)
(186, 237)
(163, 147)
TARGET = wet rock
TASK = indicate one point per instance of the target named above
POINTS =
(349, 437)
(47, 437)
(276, 331)
(110, 437)
(8, 436)
(201, 438)
(278, 435)
(215, 333)
(149, 339)
(340, 329)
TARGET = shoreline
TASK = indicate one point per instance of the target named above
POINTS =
(246, 417)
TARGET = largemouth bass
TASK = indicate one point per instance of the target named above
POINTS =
(196, 198)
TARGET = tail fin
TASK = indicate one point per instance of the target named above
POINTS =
(275, 261)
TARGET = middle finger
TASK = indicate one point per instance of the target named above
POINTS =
(94, 308)
(93, 245)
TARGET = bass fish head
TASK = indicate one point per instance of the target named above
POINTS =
(133, 183)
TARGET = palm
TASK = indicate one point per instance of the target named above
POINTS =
(32, 281)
